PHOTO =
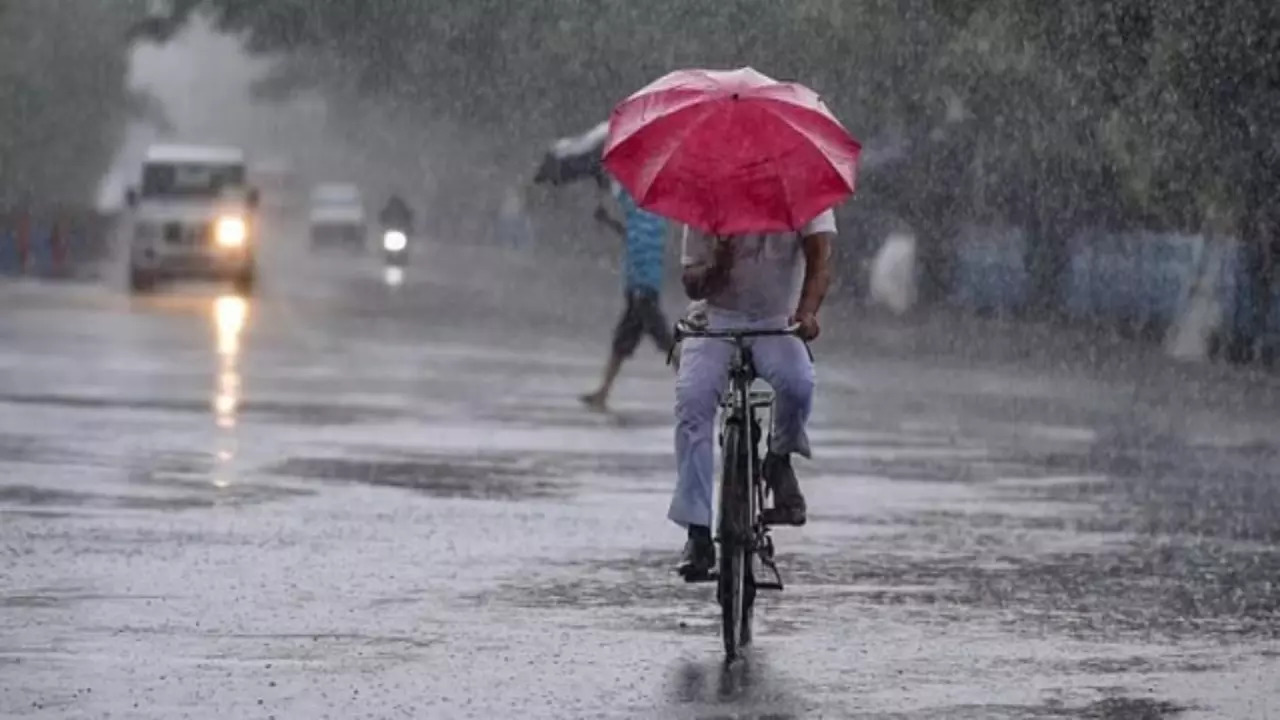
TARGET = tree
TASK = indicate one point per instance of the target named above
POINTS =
(1053, 116)
(63, 66)
(1198, 137)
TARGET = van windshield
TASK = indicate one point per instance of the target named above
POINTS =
(335, 196)
(190, 180)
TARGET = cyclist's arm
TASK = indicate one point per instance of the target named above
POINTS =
(816, 244)
(703, 281)
(817, 273)
(706, 265)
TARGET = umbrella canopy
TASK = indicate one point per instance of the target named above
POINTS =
(574, 158)
(731, 152)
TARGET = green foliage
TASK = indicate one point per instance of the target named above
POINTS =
(1109, 108)
(63, 66)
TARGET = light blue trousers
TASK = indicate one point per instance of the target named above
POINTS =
(783, 362)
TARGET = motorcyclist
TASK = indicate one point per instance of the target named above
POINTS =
(396, 215)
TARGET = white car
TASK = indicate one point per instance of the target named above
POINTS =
(337, 217)
(193, 216)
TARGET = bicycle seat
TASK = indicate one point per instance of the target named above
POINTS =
(757, 399)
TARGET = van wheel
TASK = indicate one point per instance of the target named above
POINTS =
(141, 282)
(245, 282)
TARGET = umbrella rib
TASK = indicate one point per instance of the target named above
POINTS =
(767, 105)
(670, 151)
(694, 99)
(786, 191)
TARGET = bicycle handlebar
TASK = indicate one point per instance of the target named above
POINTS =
(684, 329)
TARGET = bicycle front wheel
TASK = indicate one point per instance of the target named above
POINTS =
(735, 544)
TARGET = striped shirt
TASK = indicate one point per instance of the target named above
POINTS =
(645, 240)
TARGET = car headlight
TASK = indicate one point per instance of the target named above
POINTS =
(394, 241)
(230, 232)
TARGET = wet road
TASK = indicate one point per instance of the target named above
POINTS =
(344, 499)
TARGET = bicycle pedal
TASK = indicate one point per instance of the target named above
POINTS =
(768, 586)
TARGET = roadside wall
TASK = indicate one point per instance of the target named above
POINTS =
(64, 243)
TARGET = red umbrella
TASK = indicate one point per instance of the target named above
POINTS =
(731, 151)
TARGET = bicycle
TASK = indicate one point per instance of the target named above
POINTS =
(742, 533)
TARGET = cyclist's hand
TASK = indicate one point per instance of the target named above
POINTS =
(809, 328)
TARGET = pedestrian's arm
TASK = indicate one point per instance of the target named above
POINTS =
(603, 217)
(601, 213)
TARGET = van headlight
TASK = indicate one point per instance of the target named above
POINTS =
(230, 232)
(394, 241)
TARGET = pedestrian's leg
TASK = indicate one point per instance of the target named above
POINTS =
(657, 327)
(699, 384)
(599, 399)
(626, 336)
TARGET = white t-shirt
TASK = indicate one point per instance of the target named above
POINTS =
(768, 270)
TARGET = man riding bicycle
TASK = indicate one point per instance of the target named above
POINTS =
(755, 282)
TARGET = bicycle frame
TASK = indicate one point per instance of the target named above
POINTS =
(739, 405)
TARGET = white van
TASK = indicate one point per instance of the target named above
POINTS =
(193, 216)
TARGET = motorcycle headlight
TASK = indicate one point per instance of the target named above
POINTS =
(394, 241)
(230, 232)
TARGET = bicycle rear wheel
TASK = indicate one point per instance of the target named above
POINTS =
(735, 583)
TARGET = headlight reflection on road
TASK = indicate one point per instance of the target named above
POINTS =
(229, 316)
(393, 276)
(227, 400)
